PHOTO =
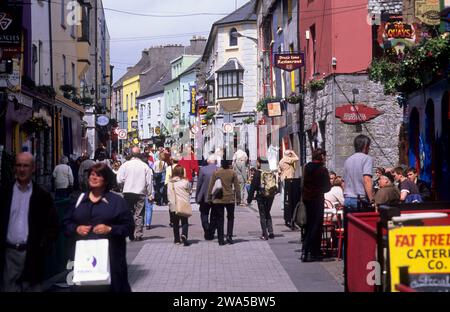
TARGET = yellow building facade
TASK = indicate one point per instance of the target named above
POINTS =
(131, 90)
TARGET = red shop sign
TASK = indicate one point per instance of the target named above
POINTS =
(358, 113)
(289, 61)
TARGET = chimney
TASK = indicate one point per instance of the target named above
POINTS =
(197, 45)
(144, 53)
(129, 68)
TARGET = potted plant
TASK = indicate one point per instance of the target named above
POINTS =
(69, 92)
(248, 120)
(209, 116)
(46, 90)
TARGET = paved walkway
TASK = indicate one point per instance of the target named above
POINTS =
(249, 265)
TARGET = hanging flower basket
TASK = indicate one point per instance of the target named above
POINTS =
(316, 85)
(294, 99)
(35, 125)
(248, 120)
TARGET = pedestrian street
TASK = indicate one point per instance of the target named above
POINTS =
(156, 264)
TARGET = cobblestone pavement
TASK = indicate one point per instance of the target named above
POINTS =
(249, 265)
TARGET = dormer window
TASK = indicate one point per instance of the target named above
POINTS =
(233, 39)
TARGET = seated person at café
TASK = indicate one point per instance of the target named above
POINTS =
(388, 194)
(336, 195)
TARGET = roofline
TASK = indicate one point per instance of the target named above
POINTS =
(150, 94)
(212, 36)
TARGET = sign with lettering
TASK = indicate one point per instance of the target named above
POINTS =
(355, 114)
(289, 61)
(395, 33)
(425, 254)
(193, 95)
(202, 110)
(10, 26)
(428, 11)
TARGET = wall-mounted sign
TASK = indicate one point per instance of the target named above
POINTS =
(202, 110)
(421, 253)
(169, 115)
(355, 114)
(192, 96)
(274, 109)
(134, 124)
(12, 81)
(428, 11)
(395, 33)
(102, 121)
(194, 129)
(11, 27)
(289, 61)
(158, 130)
(104, 91)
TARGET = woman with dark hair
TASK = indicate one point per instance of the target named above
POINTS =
(316, 183)
(230, 197)
(101, 214)
(179, 190)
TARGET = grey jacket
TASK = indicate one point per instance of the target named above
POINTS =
(204, 177)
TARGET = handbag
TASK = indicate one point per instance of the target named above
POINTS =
(182, 208)
(300, 209)
(217, 190)
(91, 265)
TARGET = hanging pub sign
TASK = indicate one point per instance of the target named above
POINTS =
(395, 33)
(289, 61)
(356, 114)
(202, 110)
(274, 109)
(10, 29)
(193, 96)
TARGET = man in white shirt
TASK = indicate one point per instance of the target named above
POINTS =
(136, 178)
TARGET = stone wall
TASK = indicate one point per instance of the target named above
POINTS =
(338, 137)
(390, 6)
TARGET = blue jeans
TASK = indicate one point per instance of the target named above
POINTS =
(351, 204)
(148, 212)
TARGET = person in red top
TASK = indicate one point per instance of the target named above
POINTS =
(189, 163)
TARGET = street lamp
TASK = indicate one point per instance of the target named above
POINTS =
(238, 34)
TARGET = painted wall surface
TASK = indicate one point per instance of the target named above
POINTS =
(341, 31)
(245, 53)
(131, 88)
(152, 114)
(41, 39)
(171, 100)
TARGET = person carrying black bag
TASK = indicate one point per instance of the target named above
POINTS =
(264, 203)
(316, 183)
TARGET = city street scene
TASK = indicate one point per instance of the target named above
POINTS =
(225, 147)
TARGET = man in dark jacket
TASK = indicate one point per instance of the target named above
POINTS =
(28, 227)
(424, 190)
(201, 194)
(316, 183)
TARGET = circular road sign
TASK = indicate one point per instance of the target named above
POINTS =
(122, 134)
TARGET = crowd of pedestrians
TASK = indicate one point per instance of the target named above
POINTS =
(115, 200)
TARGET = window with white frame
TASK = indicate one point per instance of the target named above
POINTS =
(230, 84)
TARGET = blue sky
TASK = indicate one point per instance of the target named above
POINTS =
(130, 34)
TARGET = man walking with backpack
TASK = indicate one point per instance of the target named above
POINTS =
(264, 184)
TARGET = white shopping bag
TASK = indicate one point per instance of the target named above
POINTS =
(91, 265)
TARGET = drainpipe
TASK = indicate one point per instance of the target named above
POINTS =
(302, 101)
(51, 80)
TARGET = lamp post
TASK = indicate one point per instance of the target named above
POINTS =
(237, 34)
